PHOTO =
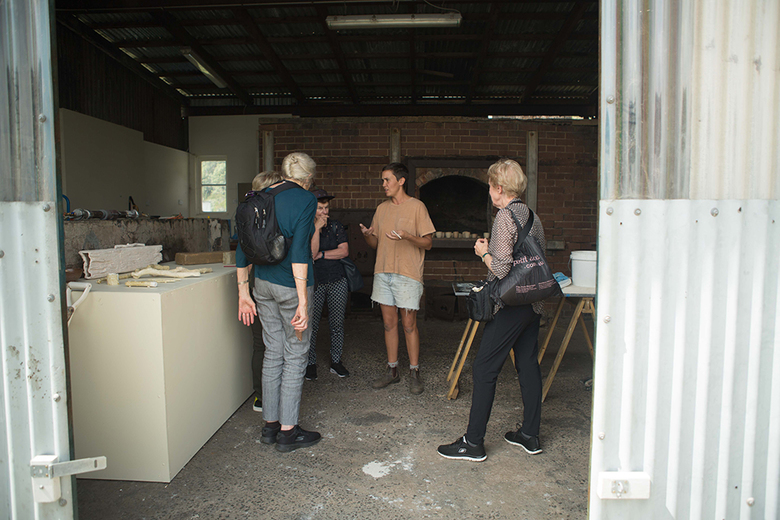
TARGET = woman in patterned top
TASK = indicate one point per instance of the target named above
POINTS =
(513, 327)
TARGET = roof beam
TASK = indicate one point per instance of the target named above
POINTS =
(388, 110)
(552, 53)
(169, 23)
(305, 72)
(336, 48)
(141, 5)
(270, 54)
(148, 42)
(80, 28)
(386, 55)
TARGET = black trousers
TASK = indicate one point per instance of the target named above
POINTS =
(515, 328)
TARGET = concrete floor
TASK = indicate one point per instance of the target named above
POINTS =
(378, 458)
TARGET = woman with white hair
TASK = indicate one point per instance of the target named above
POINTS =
(282, 296)
(512, 328)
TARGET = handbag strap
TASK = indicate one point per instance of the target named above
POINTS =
(522, 233)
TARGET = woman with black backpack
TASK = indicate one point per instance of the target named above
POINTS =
(282, 297)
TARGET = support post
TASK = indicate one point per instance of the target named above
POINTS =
(532, 169)
(268, 150)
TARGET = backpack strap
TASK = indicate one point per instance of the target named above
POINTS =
(285, 185)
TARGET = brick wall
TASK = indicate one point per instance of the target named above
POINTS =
(350, 153)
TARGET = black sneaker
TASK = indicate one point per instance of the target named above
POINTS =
(299, 438)
(338, 369)
(461, 449)
(257, 405)
(527, 442)
(311, 373)
(270, 433)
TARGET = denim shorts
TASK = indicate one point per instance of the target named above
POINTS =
(398, 290)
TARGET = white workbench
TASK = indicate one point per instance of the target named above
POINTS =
(156, 371)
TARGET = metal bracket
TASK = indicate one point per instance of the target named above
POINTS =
(622, 485)
(46, 473)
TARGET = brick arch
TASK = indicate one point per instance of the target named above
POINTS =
(426, 175)
(426, 169)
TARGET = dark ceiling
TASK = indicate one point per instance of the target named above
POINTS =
(508, 57)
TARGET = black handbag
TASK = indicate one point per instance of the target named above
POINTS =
(479, 302)
(354, 278)
(530, 279)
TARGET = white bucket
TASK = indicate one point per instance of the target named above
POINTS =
(583, 268)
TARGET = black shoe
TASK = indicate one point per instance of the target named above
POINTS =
(461, 449)
(299, 438)
(311, 373)
(527, 442)
(338, 369)
(270, 433)
(257, 405)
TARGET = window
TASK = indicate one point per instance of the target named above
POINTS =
(213, 186)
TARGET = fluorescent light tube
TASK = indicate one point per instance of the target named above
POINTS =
(393, 20)
(207, 71)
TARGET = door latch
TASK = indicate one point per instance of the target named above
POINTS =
(46, 473)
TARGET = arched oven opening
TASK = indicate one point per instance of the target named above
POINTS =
(457, 204)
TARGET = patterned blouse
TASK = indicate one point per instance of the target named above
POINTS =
(503, 238)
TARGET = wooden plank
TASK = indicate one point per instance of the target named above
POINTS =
(206, 257)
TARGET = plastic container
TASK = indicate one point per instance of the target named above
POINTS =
(583, 268)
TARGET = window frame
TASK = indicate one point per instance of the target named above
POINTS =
(199, 184)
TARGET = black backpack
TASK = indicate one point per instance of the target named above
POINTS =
(258, 232)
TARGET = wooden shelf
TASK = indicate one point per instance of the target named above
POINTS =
(454, 243)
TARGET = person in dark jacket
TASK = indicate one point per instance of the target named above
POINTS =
(328, 246)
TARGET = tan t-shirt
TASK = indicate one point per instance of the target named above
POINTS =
(401, 256)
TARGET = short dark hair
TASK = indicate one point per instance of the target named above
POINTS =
(400, 171)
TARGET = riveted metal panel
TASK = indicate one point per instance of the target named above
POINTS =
(688, 330)
(33, 389)
(687, 370)
(687, 374)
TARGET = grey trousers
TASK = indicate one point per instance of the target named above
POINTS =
(284, 362)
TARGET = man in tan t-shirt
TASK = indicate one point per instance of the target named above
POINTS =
(401, 232)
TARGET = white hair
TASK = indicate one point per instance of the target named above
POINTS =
(298, 166)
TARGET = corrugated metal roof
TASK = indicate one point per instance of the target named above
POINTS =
(493, 55)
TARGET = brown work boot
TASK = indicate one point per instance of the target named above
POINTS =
(415, 382)
(388, 378)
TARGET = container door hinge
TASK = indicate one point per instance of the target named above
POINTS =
(46, 473)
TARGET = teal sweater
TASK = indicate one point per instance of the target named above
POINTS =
(295, 210)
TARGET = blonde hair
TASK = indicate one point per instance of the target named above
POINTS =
(298, 166)
(509, 175)
(264, 179)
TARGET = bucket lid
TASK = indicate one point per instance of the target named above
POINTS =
(583, 255)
